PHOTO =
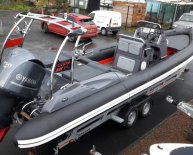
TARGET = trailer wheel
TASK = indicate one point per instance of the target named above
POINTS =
(130, 117)
(104, 31)
(45, 28)
(145, 108)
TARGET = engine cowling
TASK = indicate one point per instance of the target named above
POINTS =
(21, 75)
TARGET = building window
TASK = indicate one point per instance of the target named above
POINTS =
(140, 10)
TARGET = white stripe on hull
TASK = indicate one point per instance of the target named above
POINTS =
(67, 127)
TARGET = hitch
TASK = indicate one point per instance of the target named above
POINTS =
(94, 152)
(56, 150)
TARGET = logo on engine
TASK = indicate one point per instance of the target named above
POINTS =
(25, 79)
(19, 77)
(7, 64)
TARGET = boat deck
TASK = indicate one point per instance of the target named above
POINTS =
(178, 42)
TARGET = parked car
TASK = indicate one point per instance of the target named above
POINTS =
(171, 149)
(107, 21)
(185, 21)
(78, 20)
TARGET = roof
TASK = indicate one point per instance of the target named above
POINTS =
(132, 1)
(80, 16)
(185, 3)
(169, 1)
(105, 11)
(180, 2)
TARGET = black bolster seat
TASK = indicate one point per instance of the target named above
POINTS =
(129, 55)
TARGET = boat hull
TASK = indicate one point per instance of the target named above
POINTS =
(57, 122)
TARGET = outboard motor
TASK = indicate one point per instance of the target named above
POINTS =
(21, 76)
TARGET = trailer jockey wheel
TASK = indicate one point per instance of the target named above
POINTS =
(145, 108)
(130, 117)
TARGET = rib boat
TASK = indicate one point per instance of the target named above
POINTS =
(84, 89)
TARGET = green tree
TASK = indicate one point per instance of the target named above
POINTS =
(41, 3)
(64, 4)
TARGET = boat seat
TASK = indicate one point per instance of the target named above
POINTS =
(129, 55)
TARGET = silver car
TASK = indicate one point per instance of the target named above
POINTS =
(185, 21)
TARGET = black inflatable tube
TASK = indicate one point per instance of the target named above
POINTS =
(48, 122)
(164, 66)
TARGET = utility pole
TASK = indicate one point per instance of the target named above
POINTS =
(1, 28)
(74, 6)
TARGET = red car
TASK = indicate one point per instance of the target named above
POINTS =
(82, 20)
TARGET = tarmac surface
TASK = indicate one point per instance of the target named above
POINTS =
(109, 138)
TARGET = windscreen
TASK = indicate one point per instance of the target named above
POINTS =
(87, 21)
(187, 18)
(182, 151)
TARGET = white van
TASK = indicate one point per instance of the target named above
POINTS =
(106, 21)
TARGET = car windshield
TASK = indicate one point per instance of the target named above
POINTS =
(182, 150)
(187, 18)
(87, 21)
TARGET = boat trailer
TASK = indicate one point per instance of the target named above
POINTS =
(113, 114)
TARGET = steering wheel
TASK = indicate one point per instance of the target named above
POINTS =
(142, 35)
(151, 36)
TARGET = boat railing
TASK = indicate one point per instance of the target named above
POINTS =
(50, 20)
(32, 16)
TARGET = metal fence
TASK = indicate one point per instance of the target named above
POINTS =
(166, 13)
(182, 9)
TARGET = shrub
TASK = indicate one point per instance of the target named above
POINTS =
(41, 3)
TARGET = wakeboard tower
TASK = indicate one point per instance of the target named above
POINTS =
(83, 90)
